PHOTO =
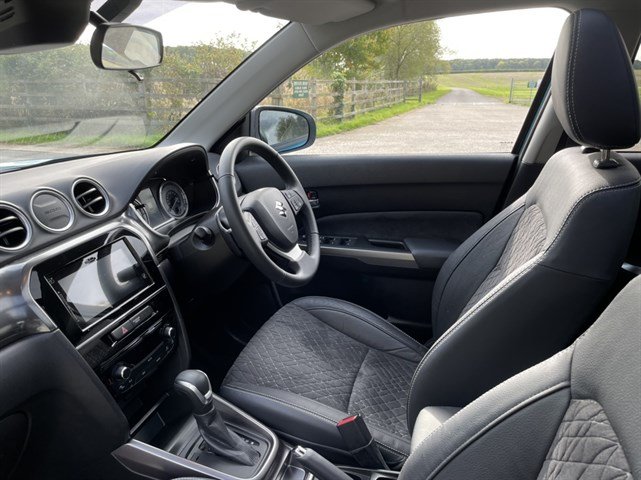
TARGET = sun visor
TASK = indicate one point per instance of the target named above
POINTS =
(313, 12)
(30, 25)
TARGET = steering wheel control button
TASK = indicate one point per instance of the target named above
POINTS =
(294, 200)
(254, 224)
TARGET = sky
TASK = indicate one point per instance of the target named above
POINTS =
(513, 34)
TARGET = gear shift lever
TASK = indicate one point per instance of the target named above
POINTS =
(195, 385)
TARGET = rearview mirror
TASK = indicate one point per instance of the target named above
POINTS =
(284, 129)
(120, 46)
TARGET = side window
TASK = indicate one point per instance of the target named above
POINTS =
(456, 85)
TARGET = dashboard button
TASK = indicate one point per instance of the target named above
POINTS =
(141, 316)
(122, 330)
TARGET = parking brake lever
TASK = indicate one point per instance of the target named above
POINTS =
(317, 465)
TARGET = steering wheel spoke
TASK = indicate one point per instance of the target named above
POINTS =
(298, 260)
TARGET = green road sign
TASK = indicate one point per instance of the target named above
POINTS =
(300, 88)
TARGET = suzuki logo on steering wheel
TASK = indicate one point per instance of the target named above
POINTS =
(282, 211)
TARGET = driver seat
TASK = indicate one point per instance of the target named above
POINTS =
(517, 291)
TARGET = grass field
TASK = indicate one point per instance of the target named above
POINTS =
(325, 129)
(494, 84)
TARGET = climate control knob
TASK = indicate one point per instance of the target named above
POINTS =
(168, 332)
(121, 372)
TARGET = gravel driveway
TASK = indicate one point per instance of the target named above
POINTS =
(462, 121)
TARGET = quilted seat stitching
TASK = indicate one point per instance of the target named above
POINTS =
(585, 438)
(351, 392)
(589, 464)
(403, 340)
(334, 384)
(582, 437)
(527, 239)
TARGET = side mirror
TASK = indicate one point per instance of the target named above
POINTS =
(120, 46)
(284, 129)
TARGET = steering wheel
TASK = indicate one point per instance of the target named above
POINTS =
(264, 222)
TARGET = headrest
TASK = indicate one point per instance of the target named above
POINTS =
(594, 91)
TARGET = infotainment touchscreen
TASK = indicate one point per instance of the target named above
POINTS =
(96, 284)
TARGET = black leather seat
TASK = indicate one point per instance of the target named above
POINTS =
(517, 291)
(574, 416)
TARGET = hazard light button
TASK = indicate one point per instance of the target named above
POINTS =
(122, 330)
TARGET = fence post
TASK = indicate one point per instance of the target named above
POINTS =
(420, 90)
(144, 100)
(353, 98)
(313, 102)
(511, 90)
(277, 98)
(404, 91)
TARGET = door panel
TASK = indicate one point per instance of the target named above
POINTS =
(372, 183)
(388, 223)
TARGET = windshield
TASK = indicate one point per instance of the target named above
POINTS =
(57, 104)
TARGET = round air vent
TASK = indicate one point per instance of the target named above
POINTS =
(15, 229)
(51, 210)
(90, 197)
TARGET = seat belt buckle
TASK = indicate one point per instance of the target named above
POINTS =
(360, 443)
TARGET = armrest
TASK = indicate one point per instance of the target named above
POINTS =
(430, 252)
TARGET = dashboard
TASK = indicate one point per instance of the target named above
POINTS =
(166, 188)
(85, 250)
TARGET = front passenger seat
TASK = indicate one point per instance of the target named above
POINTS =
(518, 290)
(575, 416)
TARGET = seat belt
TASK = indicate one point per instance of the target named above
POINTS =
(360, 443)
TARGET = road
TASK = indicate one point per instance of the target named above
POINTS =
(462, 121)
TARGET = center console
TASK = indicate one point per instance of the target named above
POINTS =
(107, 294)
(109, 298)
(168, 445)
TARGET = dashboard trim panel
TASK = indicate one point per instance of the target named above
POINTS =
(63, 198)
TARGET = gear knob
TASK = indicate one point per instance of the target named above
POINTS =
(194, 384)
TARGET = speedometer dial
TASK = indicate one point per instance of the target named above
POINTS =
(173, 200)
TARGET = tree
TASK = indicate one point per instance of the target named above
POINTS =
(413, 50)
(356, 58)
